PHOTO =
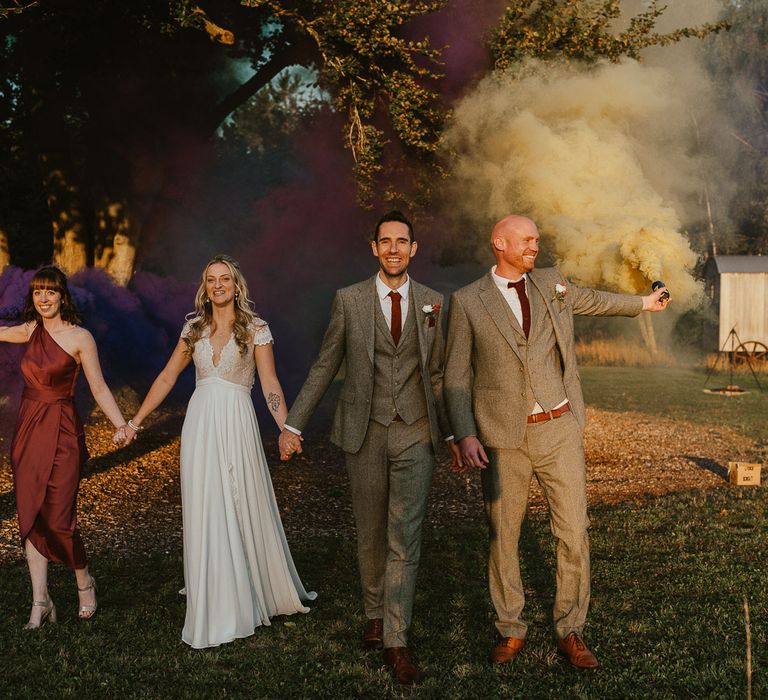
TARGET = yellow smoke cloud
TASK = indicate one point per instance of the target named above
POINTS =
(579, 151)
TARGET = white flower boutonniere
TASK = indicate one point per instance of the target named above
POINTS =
(560, 291)
(430, 313)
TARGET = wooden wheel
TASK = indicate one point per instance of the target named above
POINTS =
(751, 351)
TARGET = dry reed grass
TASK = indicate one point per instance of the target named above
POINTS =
(618, 352)
(722, 363)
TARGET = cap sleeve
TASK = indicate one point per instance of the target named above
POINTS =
(261, 333)
(185, 330)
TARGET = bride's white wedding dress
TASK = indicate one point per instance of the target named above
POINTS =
(238, 570)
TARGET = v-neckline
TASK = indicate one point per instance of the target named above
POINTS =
(221, 351)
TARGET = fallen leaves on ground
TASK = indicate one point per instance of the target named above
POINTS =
(130, 499)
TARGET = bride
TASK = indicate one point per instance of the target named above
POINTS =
(238, 570)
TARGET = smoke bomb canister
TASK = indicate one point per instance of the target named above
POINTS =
(658, 284)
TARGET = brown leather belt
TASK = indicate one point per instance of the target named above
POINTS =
(549, 415)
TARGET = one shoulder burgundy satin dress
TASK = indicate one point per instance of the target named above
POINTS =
(48, 451)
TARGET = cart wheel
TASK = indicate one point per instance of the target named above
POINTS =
(751, 351)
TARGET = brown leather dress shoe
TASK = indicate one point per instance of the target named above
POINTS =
(403, 668)
(574, 649)
(506, 650)
(373, 633)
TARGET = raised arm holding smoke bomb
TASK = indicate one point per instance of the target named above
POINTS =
(514, 401)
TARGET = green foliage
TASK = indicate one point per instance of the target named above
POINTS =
(372, 71)
(580, 30)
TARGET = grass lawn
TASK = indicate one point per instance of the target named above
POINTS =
(678, 393)
(666, 621)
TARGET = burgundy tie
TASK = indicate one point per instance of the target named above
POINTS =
(397, 323)
(524, 305)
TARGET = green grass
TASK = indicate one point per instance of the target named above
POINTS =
(666, 619)
(678, 393)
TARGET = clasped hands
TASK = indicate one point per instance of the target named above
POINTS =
(124, 435)
(289, 444)
(469, 452)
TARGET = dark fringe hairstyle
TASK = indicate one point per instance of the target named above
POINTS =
(52, 278)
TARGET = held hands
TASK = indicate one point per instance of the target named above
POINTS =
(457, 465)
(126, 434)
(472, 453)
(289, 443)
(654, 302)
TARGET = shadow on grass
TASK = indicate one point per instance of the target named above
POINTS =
(161, 433)
(710, 465)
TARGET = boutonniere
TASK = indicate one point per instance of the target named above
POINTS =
(430, 313)
(560, 291)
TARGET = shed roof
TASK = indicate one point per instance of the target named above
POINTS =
(740, 263)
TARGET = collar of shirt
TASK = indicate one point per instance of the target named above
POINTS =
(383, 291)
(502, 282)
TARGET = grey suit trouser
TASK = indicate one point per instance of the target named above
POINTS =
(552, 451)
(390, 478)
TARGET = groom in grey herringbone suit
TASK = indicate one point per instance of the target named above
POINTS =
(514, 402)
(386, 331)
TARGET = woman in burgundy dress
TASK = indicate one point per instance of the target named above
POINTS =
(48, 447)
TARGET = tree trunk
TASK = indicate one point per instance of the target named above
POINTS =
(70, 250)
(649, 336)
(5, 257)
(115, 249)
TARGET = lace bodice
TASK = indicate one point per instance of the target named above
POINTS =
(233, 366)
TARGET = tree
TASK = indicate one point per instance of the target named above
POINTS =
(739, 65)
(581, 30)
(116, 104)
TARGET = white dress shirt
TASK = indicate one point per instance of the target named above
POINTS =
(382, 291)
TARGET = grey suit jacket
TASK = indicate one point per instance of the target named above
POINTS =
(485, 368)
(349, 339)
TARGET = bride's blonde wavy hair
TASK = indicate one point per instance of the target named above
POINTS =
(203, 314)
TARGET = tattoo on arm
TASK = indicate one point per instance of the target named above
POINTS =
(273, 400)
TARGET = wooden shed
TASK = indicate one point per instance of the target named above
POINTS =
(738, 287)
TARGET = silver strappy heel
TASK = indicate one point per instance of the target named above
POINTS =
(86, 612)
(48, 614)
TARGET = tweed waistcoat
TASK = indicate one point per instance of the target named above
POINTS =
(543, 377)
(398, 388)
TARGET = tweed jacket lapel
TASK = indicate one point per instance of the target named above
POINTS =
(500, 313)
(366, 309)
(545, 297)
(538, 307)
(417, 302)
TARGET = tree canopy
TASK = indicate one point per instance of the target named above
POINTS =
(110, 110)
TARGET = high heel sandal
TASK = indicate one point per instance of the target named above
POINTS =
(48, 614)
(86, 612)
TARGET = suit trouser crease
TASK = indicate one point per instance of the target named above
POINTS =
(553, 452)
(389, 479)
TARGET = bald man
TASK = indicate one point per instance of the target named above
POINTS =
(514, 401)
